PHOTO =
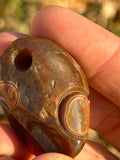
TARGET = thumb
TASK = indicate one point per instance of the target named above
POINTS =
(53, 156)
(93, 47)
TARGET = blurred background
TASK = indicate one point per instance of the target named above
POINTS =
(17, 15)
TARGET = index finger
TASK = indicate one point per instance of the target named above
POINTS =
(95, 49)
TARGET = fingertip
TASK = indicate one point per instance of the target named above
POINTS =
(93, 150)
(6, 38)
(11, 145)
(53, 156)
(50, 19)
(43, 18)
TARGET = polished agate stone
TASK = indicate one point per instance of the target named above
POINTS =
(43, 92)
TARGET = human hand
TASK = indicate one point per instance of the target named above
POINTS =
(97, 51)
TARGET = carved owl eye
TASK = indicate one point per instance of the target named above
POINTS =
(74, 114)
(9, 94)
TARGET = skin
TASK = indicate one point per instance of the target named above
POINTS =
(98, 53)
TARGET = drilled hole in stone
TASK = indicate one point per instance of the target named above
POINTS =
(23, 60)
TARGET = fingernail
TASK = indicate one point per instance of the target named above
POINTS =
(6, 158)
